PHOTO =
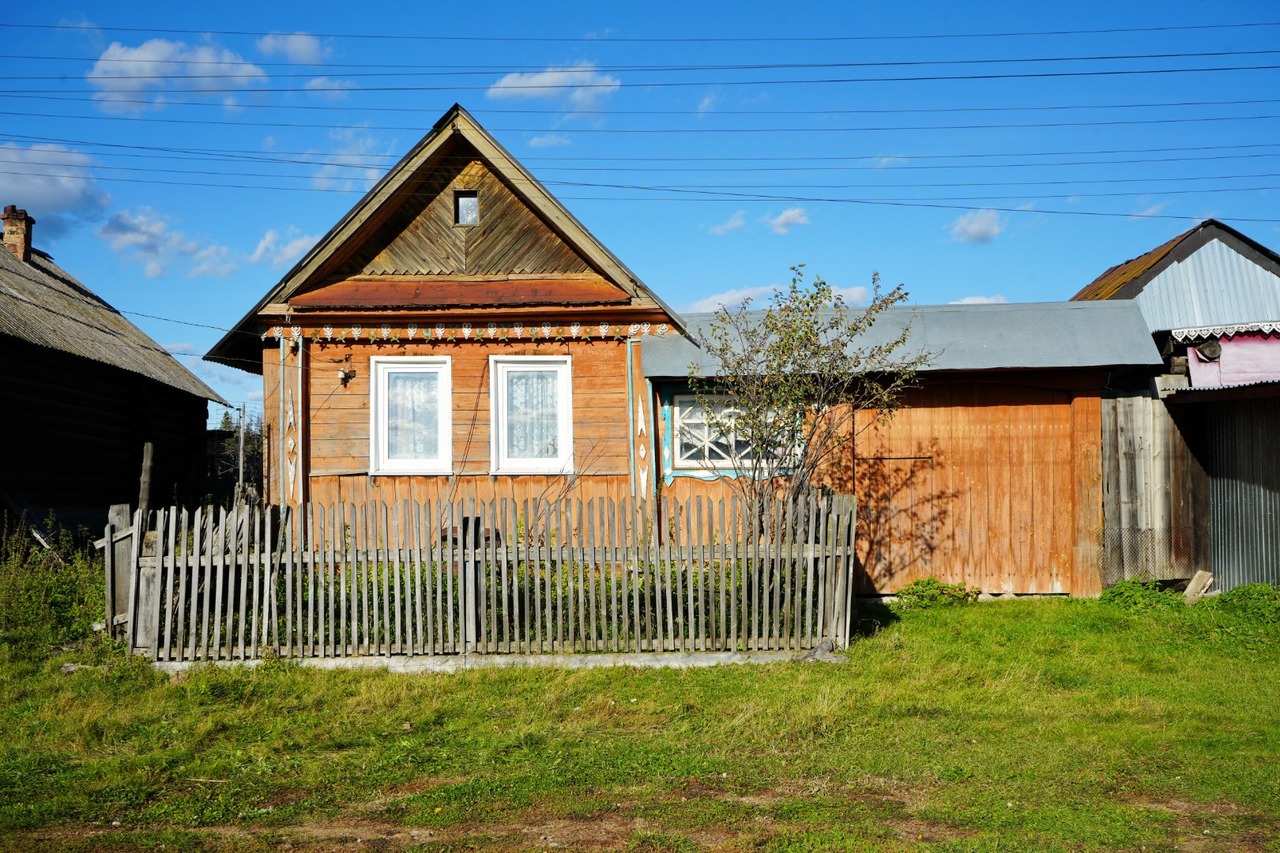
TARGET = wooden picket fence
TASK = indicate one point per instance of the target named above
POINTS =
(503, 577)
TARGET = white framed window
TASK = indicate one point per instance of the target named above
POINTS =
(531, 430)
(707, 442)
(410, 415)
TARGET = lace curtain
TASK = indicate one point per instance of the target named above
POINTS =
(533, 422)
(413, 415)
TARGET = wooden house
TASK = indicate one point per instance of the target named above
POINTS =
(457, 333)
(1191, 477)
(87, 390)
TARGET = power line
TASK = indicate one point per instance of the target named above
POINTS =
(666, 131)
(798, 158)
(114, 99)
(877, 185)
(587, 71)
(612, 85)
(605, 39)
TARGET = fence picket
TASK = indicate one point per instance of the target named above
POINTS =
(560, 575)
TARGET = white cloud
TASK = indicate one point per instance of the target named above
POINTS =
(889, 161)
(707, 103)
(579, 86)
(329, 89)
(126, 74)
(53, 184)
(1150, 211)
(997, 299)
(279, 249)
(760, 296)
(181, 349)
(145, 237)
(549, 140)
(356, 164)
(732, 225)
(213, 261)
(977, 226)
(731, 298)
(301, 48)
(788, 219)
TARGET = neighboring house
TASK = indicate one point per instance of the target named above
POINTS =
(87, 389)
(457, 333)
(1192, 474)
(990, 473)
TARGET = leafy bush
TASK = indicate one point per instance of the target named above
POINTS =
(48, 596)
(1257, 602)
(931, 592)
(1135, 596)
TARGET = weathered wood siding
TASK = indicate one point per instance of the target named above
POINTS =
(75, 429)
(422, 239)
(996, 484)
(1155, 492)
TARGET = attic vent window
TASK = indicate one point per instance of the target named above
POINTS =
(466, 208)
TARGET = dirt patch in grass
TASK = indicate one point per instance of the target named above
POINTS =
(1205, 827)
(651, 823)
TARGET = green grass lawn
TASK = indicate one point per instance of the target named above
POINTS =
(1033, 725)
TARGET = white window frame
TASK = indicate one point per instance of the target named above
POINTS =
(380, 370)
(681, 402)
(500, 461)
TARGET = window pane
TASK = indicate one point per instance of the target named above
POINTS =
(467, 208)
(533, 419)
(413, 415)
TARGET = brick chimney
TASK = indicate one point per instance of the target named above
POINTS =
(17, 232)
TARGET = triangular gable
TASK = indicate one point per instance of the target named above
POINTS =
(1127, 280)
(1207, 276)
(389, 231)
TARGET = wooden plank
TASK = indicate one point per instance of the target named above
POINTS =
(240, 558)
(591, 570)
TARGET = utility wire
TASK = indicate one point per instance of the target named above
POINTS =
(606, 39)
(588, 71)
(612, 85)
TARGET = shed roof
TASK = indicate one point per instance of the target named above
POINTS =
(42, 304)
(1019, 336)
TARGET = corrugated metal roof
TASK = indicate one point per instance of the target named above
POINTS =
(1211, 275)
(43, 305)
(1111, 283)
(1214, 286)
(972, 337)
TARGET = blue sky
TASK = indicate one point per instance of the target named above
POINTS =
(179, 158)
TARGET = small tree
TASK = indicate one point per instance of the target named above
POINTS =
(790, 379)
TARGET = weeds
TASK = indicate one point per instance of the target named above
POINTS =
(927, 593)
(48, 596)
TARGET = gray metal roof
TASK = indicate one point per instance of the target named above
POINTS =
(972, 337)
(1215, 285)
(43, 305)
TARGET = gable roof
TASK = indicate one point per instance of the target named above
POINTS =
(42, 304)
(1127, 280)
(395, 187)
(1015, 336)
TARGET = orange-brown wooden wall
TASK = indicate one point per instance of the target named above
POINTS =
(992, 480)
(335, 436)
